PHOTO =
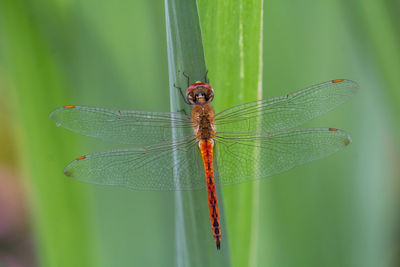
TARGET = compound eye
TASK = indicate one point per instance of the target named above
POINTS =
(211, 96)
(189, 99)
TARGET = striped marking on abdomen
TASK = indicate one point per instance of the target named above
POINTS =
(206, 148)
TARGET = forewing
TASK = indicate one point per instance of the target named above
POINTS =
(243, 157)
(170, 167)
(287, 111)
(139, 128)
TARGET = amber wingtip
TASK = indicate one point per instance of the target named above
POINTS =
(80, 158)
(337, 81)
(69, 106)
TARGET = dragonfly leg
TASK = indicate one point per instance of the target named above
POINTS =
(183, 111)
(187, 77)
(183, 96)
(206, 80)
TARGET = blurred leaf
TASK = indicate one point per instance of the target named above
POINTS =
(58, 207)
(332, 212)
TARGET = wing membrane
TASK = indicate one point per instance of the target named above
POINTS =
(287, 111)
(151, 168)
(140, 128)
(244, 157)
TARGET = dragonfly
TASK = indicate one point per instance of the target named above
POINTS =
(177, 151)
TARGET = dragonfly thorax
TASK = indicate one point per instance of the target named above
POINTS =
(203, 122)
(199, 93)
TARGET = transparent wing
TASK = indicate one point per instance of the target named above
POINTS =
(287, 111)
(140, 128)
(151, 168)
(244, 157)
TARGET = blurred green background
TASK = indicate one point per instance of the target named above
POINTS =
(339, 211)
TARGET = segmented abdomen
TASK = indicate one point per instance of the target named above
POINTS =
(206, 148)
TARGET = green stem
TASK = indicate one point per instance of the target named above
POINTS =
(232, 33)
(194, 242)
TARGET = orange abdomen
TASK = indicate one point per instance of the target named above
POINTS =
(206, 148)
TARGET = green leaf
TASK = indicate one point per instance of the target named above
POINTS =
(59, 216)
(195, 246)
(232, 32)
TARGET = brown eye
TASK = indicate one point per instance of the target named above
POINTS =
(210, 96)
(199, 93)
(190, 98)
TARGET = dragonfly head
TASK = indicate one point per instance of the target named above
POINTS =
(199, 93)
